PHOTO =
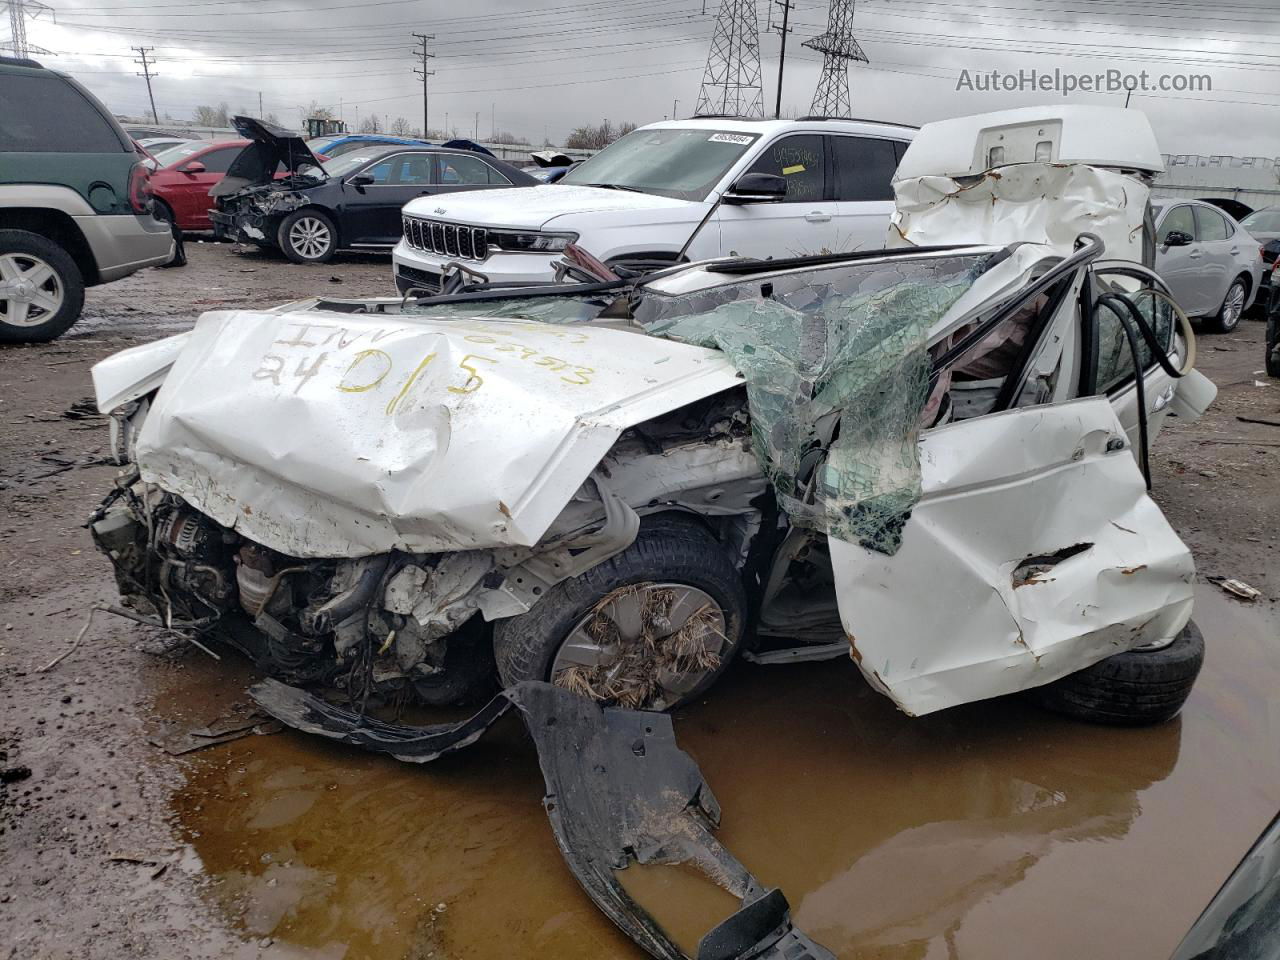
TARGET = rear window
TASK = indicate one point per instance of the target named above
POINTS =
(46, 114)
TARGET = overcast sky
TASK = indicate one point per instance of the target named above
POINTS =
(552, 66)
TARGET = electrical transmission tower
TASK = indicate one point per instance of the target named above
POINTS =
(731, 79)
(19, 11)
(837, 47)
(146, 72)
(421, 51)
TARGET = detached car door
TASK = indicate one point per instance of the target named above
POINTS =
(1034, 550)
(803, 223)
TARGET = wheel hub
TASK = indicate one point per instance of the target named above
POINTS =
(643, 646)
(30, 292)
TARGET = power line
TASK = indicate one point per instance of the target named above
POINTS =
(424, 73)
(146, 72)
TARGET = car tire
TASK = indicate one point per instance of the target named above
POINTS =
(1134, 688)
(1232, 309)
(164, 213)
(1273, 343)
(673, 560)
(308, 236)
(43, 308)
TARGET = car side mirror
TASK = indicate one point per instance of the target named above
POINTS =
(361, 180)
(1176, 238)
(757, 188)
(195, 166)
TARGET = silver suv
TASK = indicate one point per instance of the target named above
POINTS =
(75, 202)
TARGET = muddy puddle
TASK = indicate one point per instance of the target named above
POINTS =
(990, 831)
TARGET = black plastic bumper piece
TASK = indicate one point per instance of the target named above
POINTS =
(619, 790)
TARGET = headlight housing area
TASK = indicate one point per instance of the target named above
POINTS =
(530, 241)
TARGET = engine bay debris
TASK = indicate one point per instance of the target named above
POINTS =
(618, 791)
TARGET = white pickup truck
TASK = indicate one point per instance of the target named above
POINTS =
(705, 187)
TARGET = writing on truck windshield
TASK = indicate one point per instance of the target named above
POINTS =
(670, 162)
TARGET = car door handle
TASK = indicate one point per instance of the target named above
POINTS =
(1165, 398)
(1194, 255)
(817, 216)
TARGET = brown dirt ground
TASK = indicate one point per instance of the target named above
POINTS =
(94, 864)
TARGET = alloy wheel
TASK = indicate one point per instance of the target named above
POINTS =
(30, 290)
(1233, 308)
(310, 237)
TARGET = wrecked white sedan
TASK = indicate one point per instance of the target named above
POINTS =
(930, 458)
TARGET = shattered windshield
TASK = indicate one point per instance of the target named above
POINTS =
(681, 163)
(836, 360)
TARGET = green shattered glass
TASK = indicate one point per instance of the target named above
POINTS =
(841, 367)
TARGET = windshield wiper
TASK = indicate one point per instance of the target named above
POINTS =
(614, 186)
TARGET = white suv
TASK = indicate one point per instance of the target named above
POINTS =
(765, 188)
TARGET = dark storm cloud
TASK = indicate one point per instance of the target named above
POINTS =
(547, 68)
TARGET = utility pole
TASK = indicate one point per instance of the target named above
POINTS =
(259, 104)
(423, 72)
(146, 72)
(675, 109)
(786, 6)
(493, 112)
(476, 135)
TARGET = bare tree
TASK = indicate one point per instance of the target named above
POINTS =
(207, 116)
(589, 137)
(315, 109)
(370, 125)
(400, 127)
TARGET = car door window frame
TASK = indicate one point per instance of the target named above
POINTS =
(1162, 233)
(230, 152)
(443, 158)
(835, 173)
(1090, 342)
(1199, 212)
(828, 185)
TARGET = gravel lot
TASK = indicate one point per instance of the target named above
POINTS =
(280, 847)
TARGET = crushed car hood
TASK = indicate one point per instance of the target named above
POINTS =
(536, 207)
(272, 147)
(342, 437)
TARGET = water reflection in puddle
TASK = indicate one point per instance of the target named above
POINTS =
(990, 831)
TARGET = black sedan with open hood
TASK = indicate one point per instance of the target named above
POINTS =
(277, 193)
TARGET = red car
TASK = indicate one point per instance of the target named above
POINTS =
(184, 175)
